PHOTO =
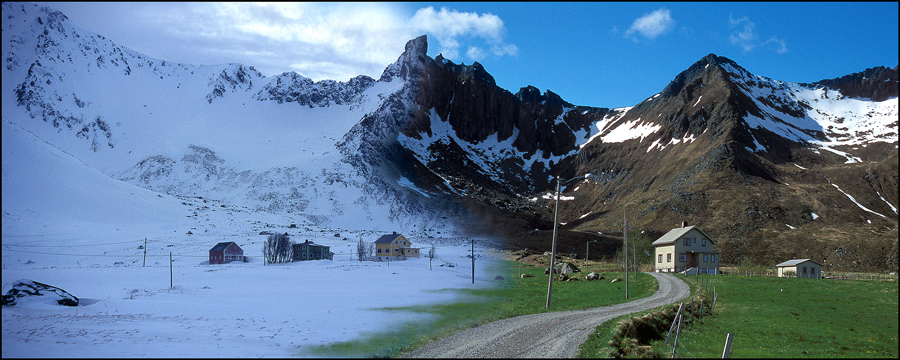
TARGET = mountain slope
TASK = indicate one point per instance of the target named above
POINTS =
(222, 132)
(772, 169)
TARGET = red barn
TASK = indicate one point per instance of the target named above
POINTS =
(225, 252)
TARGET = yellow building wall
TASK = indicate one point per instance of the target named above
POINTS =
(664, 250)
(401, 242)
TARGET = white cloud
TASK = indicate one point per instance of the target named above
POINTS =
(448, 26)
(780, 43)
(335, 41)
(475, 53)
(651, 25)
(744, 35)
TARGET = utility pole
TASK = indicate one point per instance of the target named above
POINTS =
(473, 260)
(626, 253)
(145, 252)
(634, 257)
(170, 271)
(553, 249)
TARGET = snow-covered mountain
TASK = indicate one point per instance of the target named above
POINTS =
(436, 145)
(222, 132)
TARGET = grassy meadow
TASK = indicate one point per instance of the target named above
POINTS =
(513, 297)
(784, 318)
(769, 317)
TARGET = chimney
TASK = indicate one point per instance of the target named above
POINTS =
(395, 233)
(684, 224)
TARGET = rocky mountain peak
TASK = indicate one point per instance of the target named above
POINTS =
(412, 61)
(711, 67)
(531, 94)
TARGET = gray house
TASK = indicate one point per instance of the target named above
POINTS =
(312, 251)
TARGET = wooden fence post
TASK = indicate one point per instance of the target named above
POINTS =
(677, 332)
(715, 297)
(673, 322)
(728, 339)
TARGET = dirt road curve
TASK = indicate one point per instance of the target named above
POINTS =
(547, 335)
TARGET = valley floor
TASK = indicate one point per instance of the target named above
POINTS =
(232, 310)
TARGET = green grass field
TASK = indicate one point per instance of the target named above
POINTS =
(515, 296)
(790, 317)
(785, 318)
(810, 318)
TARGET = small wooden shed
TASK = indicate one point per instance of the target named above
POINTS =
(225, 252)
(802, 268)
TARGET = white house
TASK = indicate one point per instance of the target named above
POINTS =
(686, 248)
(802, 268)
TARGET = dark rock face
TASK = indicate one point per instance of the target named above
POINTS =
(877, 83)
(23, 288)
(293, 87)
(536, 130)
(235, 77)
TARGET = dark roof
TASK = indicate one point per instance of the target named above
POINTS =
(310, 243)
(222, 246)
(387, 238)
(676, 233)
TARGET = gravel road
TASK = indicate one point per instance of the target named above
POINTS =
(545, 335)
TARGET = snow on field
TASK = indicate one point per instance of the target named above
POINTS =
(67, 225)
(232, 310)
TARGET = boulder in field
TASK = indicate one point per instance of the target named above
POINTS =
(25, 288)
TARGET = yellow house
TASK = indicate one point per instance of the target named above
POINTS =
(394, 247)
(686, 248)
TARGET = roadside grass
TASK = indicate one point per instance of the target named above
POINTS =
(784, 318)
(514, 296)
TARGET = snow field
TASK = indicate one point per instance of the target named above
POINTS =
(231, 310)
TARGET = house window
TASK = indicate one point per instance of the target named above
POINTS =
(379, 251)
(668, 257)
(404, 242)
(687, 242)
(712, 258)
(660, 258)
(704, 257)
(804, 270)
(682, 257)
(703, 242)
(395, 242)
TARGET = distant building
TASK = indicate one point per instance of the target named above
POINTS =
(802, 268)
(394, 247)
(686, 249)
(225, 252)
(312, 251)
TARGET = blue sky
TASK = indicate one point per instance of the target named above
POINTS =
(597, 54)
